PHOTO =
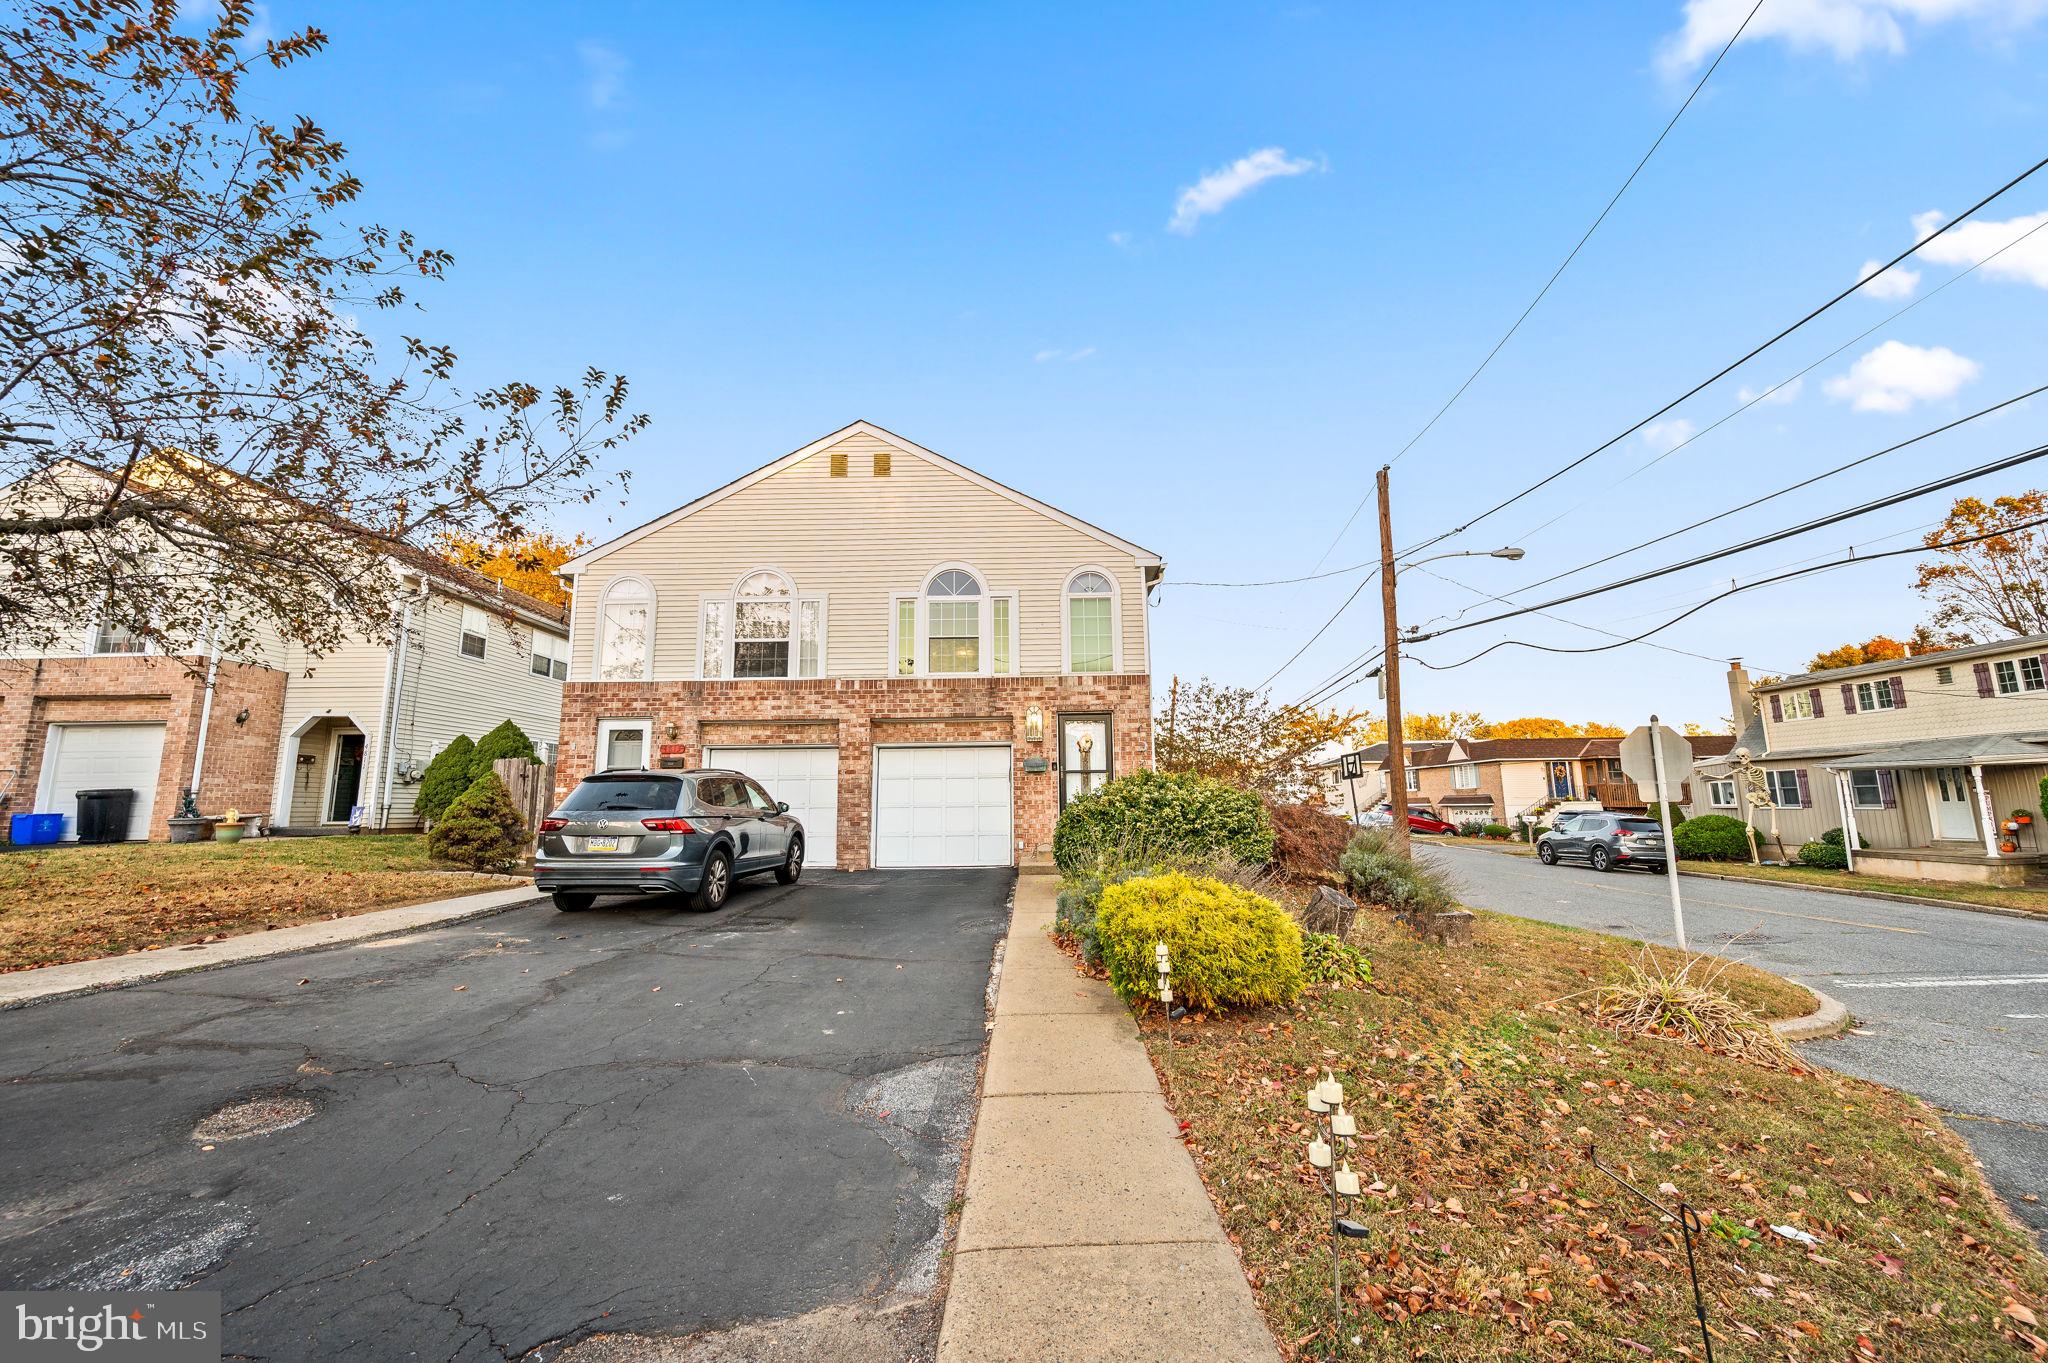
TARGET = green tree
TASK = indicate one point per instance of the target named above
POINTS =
(447, 776)
(482, 831)
(507, 740)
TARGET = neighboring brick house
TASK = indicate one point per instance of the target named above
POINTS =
(923, 663)
(1500, 780)
(1925, 759)
(292, 740)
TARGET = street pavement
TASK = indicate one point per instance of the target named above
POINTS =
(1949, 1004)
(523, 1129)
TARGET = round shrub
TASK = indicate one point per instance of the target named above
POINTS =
(447, 776)
(1834, 837)
(507, 740)
(1496, 830)
(1828, 856)
(1229, 947)
(481, 831)
(1471, 828)
(1379, 873)
(1712, 837)
(1677, 816)
(1154, 812)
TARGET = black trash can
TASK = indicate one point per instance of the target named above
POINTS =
(103, 815)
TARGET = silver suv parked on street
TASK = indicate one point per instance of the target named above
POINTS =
(650, 832)
(1607, 842)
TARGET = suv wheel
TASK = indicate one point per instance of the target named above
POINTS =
(793, 864)
(1546, 854)
(568, 901)
(717, 884)
(1603, 860)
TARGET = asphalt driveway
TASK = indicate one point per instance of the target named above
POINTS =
(1951, 1005)
(524, 1129)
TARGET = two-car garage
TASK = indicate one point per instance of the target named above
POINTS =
(940, 804)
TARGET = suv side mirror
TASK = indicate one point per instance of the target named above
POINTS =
(782, 806)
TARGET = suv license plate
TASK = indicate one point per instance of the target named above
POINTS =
(600, 844)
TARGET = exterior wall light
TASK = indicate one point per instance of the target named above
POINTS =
(1034, 725)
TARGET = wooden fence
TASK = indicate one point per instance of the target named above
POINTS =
(532, 788)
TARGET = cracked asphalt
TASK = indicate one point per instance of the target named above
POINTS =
(1949, 1004)
(528, 1128)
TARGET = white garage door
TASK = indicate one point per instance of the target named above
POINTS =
(101, 757)
(806, 779)
(946, 805)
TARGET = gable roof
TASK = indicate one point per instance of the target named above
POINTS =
(2025, 643)
(1151, 562)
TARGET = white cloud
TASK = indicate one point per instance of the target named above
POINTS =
(1894, 376)
(1897, 282)
(1218, 188)
(1777, 395)
(1070, 356)
(604, 73)
(1845, 29)
(1666, 436)
(1119, 238)
(1045, 356)
(1972, 242)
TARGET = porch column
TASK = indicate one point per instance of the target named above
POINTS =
(1850, 840)
(1990, 824)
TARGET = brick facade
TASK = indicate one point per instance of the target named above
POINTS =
(856, 714)
(241, 758)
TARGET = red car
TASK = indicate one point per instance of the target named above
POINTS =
(1420, 822)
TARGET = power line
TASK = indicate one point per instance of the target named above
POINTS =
(1555, 275)
(1575, 624)
(1284, 581)
(1362, 583)
(1730, 368)
(1819, 523)
(1739, 588)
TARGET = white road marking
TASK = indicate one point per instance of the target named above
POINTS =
(1952, 981)
(2026, 1017)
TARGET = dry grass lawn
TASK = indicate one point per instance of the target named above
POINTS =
(72, 903)
(1480, 1078)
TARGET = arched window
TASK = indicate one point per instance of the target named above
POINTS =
(625, 633)
(1090, 622)
(762, 630)
(953, 602)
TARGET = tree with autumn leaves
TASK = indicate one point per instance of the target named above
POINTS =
(201, 435)
(526, 563)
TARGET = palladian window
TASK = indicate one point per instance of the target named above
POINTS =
(624, 643)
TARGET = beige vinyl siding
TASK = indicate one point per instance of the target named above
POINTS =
(1932, 709)
(1522, 785)
(856, 540)
(446, 693)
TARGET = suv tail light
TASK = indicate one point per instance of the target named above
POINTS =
(668, 825)
(553, 825)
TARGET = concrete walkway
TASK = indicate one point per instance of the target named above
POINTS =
(1087, 1234)
(139, 967)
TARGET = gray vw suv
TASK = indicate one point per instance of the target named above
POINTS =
(1607, 842)
(652, 832)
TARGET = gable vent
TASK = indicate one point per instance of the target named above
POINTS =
(881, 463)
(839, 463)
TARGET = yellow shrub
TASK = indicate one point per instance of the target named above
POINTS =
(1229, 947)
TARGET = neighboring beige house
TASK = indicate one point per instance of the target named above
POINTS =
(1925, 759)
(1359, 794)
(924, 664)
(297, 742)
(1501, 780)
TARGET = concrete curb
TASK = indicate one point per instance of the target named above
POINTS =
(20, 988)
(1830, 1019)
(1515, 850)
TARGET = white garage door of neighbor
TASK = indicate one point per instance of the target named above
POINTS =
(946, 805)
(101, 757)
(805, 779)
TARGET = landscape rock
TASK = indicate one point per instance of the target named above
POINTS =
(1453, 929)
(1329, 911)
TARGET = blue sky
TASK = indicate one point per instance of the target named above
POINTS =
(1194, 272)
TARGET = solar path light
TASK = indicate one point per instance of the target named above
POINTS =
(1336, 1132)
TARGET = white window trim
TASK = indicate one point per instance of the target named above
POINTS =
(597, 635)
(1793, 699)
(607, 727)
(1856, 800)
(1116, 621)
(1458, 773)
(92, 644)
(554, 648)
(1867, 698)
(1773, 778)
(1715, 787)
(463, 631)
(732, 600)
(921, 656)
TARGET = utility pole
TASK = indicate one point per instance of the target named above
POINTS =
(1397, 751)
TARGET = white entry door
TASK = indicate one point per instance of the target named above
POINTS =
(101, 757)
(805, 779)
(1952, 794)
(943, 805)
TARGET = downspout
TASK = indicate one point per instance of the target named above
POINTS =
(206, 707)
(397, 689)
(383, 728)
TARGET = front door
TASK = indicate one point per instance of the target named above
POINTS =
(1950, 791)
(1560, 780)
(348, 777)
(1084, 755)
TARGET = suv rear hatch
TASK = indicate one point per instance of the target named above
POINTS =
(609, 815)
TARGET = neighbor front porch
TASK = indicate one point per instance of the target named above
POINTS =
(1959, 809)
